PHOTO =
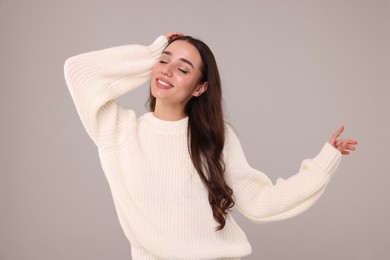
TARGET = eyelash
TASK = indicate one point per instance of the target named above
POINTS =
(181, 70)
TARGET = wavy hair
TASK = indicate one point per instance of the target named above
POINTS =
(206, 133)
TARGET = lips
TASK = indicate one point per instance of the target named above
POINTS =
(164, 84)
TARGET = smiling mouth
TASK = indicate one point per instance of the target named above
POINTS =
(163, 84)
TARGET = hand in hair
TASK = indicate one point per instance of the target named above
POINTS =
(172, 35)
(343, 145)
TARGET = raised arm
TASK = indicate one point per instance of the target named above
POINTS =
(95, 79)
(261, 201)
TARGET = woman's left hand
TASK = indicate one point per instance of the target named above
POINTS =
(343, 145)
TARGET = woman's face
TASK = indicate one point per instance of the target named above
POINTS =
(176, 75)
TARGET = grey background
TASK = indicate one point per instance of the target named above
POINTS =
(293, 72)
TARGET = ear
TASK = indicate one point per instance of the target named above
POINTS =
(200, 89)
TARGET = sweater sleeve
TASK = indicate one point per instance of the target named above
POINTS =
(95, 79)
(260, 200)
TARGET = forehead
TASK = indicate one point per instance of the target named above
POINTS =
(184, 50)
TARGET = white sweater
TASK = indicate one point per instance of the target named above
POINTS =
(160, 200)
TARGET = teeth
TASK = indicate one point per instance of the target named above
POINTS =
(164, 83)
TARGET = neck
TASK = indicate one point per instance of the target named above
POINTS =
(169, 112)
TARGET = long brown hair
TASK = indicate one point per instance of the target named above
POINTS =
(206, 133)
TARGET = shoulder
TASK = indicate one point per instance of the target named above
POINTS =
(230, 132)
(232, 141)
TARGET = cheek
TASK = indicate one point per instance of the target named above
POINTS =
(154, 69)
(193, 83)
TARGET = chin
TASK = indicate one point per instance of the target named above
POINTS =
(156, 93)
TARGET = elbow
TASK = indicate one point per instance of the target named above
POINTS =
(69, 67)
(262, 216)
(256, 208)
(74, 73)
(257, 216)
(264, 212)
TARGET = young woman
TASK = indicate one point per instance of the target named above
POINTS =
(175, 172)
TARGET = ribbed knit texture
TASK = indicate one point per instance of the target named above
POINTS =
(161, 202)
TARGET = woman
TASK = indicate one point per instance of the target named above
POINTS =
(175, 172)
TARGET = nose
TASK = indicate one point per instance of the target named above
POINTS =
(167, 71)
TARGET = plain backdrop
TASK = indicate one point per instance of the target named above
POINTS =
(292, 73)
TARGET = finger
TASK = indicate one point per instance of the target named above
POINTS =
(350, 141)
(176, 34)
(336, 134)
(172, 35)
(351, 148)
(345, 149)
(339, 131)
(341, 146)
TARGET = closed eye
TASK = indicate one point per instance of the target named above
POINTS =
(182, 71)
(162, 62)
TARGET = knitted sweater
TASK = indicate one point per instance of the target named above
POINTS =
(160, 200)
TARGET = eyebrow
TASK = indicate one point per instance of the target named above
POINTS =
(182, 59)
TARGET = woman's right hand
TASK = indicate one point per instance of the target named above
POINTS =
(172, 35)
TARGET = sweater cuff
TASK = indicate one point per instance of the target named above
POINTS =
(157, 46)
(328, 159)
